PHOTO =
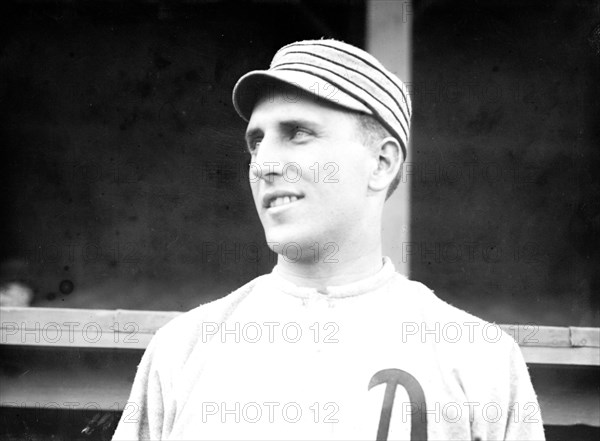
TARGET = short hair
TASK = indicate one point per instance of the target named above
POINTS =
(372, 131)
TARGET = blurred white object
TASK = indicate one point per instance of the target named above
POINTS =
(15, 294)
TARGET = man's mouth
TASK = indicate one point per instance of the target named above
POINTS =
(282, 201)
(280, 198)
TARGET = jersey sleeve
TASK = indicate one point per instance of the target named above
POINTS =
(524, 414)
(143, 415)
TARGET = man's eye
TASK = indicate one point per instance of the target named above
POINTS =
(298, 134)
(253, 145)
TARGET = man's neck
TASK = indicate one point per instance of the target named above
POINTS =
(333, 270)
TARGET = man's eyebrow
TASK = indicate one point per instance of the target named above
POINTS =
(298, 122)
(255, 132)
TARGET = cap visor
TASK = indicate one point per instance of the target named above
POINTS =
(258, 83)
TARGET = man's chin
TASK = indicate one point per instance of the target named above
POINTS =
(291, 244)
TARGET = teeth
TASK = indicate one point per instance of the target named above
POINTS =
(282, 201)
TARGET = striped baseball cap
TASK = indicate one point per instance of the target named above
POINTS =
(336, 72)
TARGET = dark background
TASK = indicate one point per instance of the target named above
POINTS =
(505, 138)
(123, 169)
(124, 172)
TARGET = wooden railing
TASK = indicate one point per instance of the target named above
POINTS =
(86, 359)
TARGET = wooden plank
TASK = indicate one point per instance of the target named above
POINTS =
(80, 327)
(146, 321)
(585, 337)
(535, 335)
(125, 329)
(561, 356)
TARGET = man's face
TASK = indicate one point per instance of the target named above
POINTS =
(309, 174)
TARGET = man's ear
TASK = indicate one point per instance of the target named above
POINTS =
(389, 159)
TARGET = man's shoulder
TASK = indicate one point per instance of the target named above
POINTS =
(449, 320)
(217, 310)
(175, 341)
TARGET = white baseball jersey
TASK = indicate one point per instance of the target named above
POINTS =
(381, 358)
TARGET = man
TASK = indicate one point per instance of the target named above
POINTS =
(333, 344)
